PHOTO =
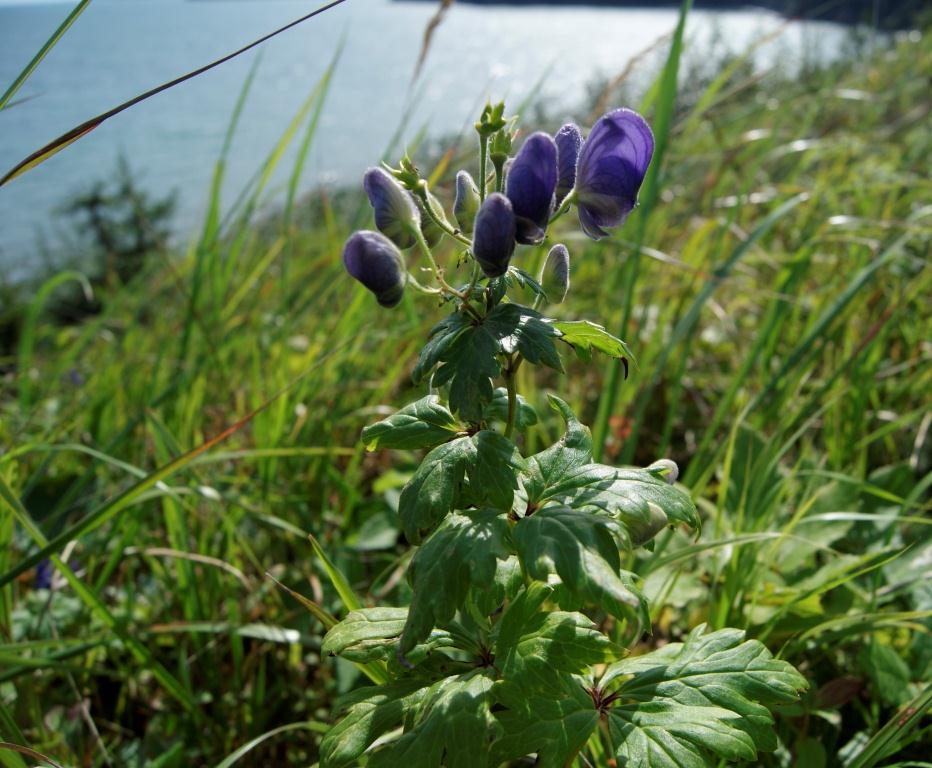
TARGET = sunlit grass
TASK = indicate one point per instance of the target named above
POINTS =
(182, 444)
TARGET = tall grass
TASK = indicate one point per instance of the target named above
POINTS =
(174, 453)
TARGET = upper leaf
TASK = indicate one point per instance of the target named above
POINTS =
(533, 642)
(441, 337)
(572, 450)
(372, 634)
(453, 726)
(430, 495)
(585, 336)
(461, 553)
(555, 724)
(708, 694)
(524, 330)
(371, 712)
(424, 423)
(583, 549)
(493, 473)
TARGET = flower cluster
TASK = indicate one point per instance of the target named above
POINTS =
(600, 175)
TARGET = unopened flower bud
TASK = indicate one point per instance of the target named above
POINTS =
(568, 140)
(530, 184)
(376, 262)
(396, 215)
(555, 275)
(466, 202)
(431, 230)
(494, 237)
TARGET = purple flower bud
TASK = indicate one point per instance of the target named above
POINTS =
(555, 275)
(530, 185)
(611, 168)
(395, 212)
(466, 202)
(568, 140)
(375, 262)
(494, 236)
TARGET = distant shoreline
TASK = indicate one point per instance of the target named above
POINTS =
(890, 14)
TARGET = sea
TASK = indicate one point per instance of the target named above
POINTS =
(120, 48)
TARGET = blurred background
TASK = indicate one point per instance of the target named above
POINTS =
(185, 367)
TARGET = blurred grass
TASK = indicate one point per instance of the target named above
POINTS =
(779, 313)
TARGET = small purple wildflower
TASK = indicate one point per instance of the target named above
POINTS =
(530, 185)
(374, 261)
(611, 169)
(396, 214)
(568, 140)
(494, 237)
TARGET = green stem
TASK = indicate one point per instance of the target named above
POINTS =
(445, 226)
(483, 162)
(565, 206)
(510, 373)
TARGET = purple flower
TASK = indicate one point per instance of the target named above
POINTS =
(611, 168)
(466, 202)
(375, 262)
(494, 235)
(555, 274)
(530, 184)
(568, 140)
(396, 214)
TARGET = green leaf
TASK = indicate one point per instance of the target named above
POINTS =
(439, 340)
(497, 410)
(424, 423)
(533, 642)
(633, 495)
(371, 712)
(582, 548)
(372, 634)
(572, 450)
(508, 582)
(469, 364)
(453, 726)
(462, 552)
(584, 336)
(522, 279)
(555, 725)
(493, 474)
(430, 495)
(524, 330)
(708, 695)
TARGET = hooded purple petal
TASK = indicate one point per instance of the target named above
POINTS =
(568, 140)
(374, 261)
(494, 235)
(396, 214)
(530, 185)
(611, 169)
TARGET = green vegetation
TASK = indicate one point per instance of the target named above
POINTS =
(173, 453)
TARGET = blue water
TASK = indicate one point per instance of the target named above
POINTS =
(119, 48)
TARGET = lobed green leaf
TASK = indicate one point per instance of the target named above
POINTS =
(425, 423)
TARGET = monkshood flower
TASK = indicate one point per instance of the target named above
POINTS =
(530, 184)
(555, 274)
(374, 261)
(611, 168)
(494, 235)
(568, 140)
(466, 202)
(396, 214)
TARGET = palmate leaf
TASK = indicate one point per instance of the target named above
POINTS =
(585, 336)
(452, 726)
(370, 713)
(582, 548)
(572, 450)
(490, 460)
(462, 553)
(468, 350)
(555, 724)
(709, 694)
(533, 642)
(425, 423)
(372, 634)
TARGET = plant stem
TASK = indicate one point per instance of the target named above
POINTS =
(483, 161)
(510, 373)
(454, 233)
